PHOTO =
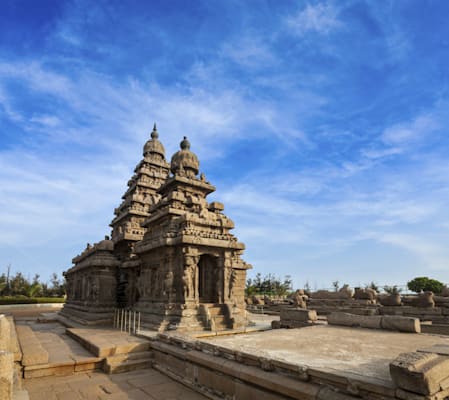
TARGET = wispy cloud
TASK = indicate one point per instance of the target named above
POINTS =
(416, 129)
(250, 52)
(321, 18)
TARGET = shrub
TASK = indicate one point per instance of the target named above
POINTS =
(6, 300)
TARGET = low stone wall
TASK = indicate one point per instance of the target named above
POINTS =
(6, 360)
(10, 356)
(353, 306)
(437, 315)
(222, 373)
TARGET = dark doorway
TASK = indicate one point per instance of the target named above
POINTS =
(208, 278)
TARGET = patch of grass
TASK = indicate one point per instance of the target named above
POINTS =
(30, 300)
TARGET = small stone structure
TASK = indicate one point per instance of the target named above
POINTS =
(171, 255)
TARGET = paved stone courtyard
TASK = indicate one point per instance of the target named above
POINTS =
(346, 351)
(145, 384)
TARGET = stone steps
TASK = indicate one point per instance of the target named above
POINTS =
(108, 342)
(32, 351)
(128, 362)
(216, 318)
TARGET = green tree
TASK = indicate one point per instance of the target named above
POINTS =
(3, 283)
(18, 285)
(424, 284)
(269, 284)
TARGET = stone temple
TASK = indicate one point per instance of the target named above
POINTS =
(171, 255)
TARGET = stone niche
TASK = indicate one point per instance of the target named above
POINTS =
(180, 265)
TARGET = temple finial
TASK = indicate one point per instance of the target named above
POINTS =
(185, 144)
(154, 134)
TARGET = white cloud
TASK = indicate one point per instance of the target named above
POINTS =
(407, 132)
(7, 107)
(249, 52)
(320, 18)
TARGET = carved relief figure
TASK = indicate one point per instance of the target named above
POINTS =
(232, 283)
(168, 283)
(187, 282)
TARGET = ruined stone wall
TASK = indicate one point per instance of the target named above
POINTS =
(10, 357)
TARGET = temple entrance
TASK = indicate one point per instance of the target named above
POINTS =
(208, 279)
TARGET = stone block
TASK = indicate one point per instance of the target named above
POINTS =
(346, 319)
(404, 395)
(402, 324)
(422, 373)
(15, 346)
(298, 314)
(327, 393)
(244, 391)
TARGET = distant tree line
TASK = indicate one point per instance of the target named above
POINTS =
(19, 285)
(269, 284)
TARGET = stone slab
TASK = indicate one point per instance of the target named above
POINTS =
(297, 314)
(108, 342)
(401, 324)
(441, 349)
(32, 351)
(346, 319)
(421, 373)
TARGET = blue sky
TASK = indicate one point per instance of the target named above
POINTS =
(323, 126)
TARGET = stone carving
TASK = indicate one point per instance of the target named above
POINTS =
(168, 283)
(232, 282)
(365, 294)
(344, 293)
(390, 300)
(299, 299)
(445, 291)
(187, 282)
(423, 300)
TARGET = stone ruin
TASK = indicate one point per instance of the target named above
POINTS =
(171, 255)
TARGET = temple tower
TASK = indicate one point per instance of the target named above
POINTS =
(191, 276)
(127, 229)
